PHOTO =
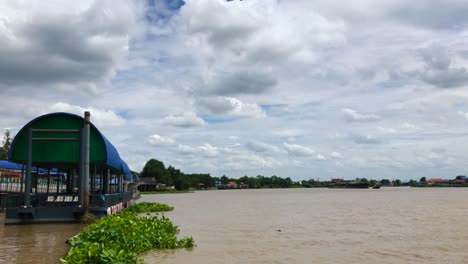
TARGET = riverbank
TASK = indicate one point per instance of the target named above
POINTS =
(168, 192)
(120, 238)
(441, 186)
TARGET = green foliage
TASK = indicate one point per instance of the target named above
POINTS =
(121, 237)
(156, 169)
(145, 207)
(88, 219)
(6, 143)
(423, 179)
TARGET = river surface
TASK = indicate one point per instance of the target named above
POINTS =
(390, 225)
(41, 243)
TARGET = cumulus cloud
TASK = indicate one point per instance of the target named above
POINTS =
(336, 155)
(206, 150)
(437, 15)
(158, 140)
(287, 62)
(185, 120)
(262, 147)
(386, 130)
(288, 132)
(298, 150)
(186, 149)
(366, 139)
(439, 69)
(242, 46)
(228, 106)
(99, 117)
(80, 46)
(242, 82)
(353, 116)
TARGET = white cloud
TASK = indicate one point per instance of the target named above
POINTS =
(320, 157)
(206, 150)
(247, 76)
(186, 120)
(353, 116)
(158, 140)
(228, 106)
(209, 150)
(336, 155)
(263, 148)
(241, 48)
(66, 46)
(299, 150)
(99, 117)
(366, 139)
(288, 132)
(386, 130)
(186, 149)
(439, 69)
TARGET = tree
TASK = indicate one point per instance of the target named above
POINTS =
(5, 145)
(156, 169)
(423, 179)
(179, 178)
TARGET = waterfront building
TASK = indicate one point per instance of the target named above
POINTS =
(76, 171)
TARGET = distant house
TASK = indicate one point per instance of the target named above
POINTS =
(435, 180)
(229, 185)
(336, 180)
(149, 184)
(460, 179)
(233, 184)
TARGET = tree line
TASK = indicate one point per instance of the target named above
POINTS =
(171, 176)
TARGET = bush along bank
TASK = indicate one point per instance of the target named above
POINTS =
(121, 237)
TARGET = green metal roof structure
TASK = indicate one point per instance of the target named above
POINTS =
(66, 152)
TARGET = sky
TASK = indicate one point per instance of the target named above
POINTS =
(303, 89)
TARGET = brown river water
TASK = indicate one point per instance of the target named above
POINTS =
(390, 225)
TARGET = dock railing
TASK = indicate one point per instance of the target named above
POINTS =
(12, 200)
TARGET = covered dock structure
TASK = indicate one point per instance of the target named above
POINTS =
(68, 168)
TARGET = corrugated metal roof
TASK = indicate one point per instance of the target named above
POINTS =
(126, 170)
(112, 155)
(8, 165)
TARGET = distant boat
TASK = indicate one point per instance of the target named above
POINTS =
(349, 185)
(377, 186)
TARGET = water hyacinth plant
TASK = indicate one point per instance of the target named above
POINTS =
(121, 237)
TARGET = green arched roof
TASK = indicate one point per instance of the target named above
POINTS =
(63, 153)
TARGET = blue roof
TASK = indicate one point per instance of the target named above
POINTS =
(8, 165)
(126, 170)
(113, 157)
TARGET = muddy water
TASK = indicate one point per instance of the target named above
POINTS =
(390, 225)
(43, 243)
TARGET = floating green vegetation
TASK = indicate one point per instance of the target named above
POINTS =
(88, 219)
(121, 237)
(145, 207)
